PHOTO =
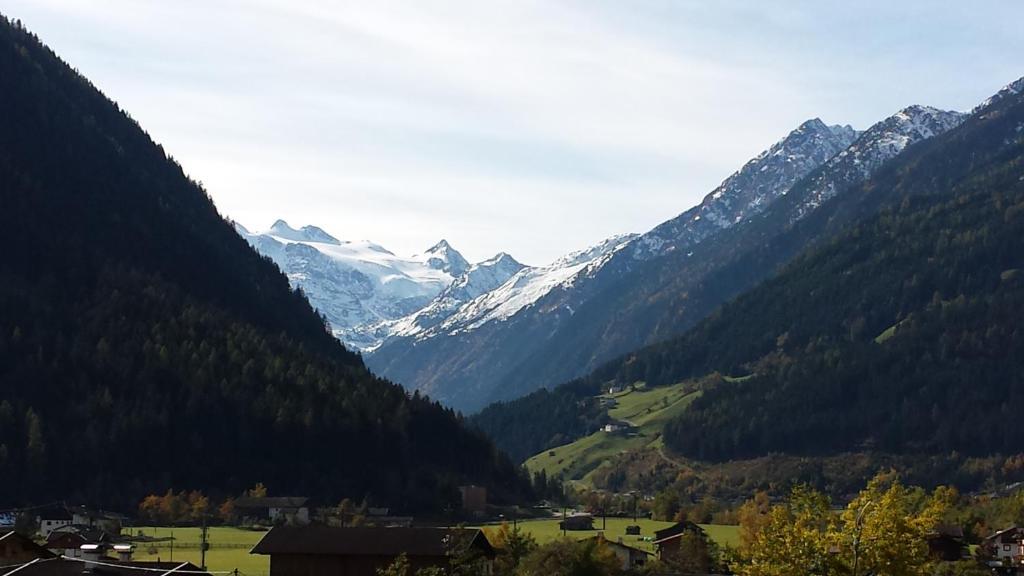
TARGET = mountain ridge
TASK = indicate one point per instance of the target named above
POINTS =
(592, 319)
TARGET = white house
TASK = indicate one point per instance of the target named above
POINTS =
(1007, 546)
(53, 519)
(276, 510)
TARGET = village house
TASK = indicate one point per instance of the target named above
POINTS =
(630, 558)
(110, 522)
(18, 549)
(667, 541)
(1006, 547)
(108, 567)
(318, 550)
(273, 510)
(53, 518)
(947, 543)
(64, 543)
(577, 522)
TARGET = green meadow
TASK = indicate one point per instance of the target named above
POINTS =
(229, 548)
(615, 528)
(647, 410)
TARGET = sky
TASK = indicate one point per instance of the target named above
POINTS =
(529, 127)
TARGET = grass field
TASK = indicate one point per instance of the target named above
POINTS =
(646, 409)
(229, 548)
(547, 530)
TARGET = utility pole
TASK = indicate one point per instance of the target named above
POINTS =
(563, 521)
(203, 546)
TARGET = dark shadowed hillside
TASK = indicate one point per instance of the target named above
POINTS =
(145, 346)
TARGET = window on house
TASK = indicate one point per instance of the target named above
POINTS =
(1006, 547)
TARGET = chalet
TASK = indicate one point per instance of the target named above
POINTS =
(1006, 546)
(65, 543)
(667, 540)
(110, 522)
(318, 550)
(630, 558)
(947, 543)
(18, 549)
(577, 522)
(292, 510)
(52, 519)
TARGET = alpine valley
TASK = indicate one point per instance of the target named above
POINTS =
(497, 330)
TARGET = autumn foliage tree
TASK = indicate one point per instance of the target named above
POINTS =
(883, 530)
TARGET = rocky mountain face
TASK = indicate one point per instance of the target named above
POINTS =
(472, 334)
(750, 189)
(900, 287)
(363, 289)
(490, 332)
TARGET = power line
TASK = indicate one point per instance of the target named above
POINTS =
(17, 567)
(28, 508)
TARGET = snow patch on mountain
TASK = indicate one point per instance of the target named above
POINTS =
(876, 146)
(359, 285)
(750, 189)
(528, 285)
(1011, 89)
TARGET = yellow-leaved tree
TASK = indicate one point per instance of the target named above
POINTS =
(885, 529)
(790, 539)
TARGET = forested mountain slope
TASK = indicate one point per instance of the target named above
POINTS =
(145, 346)
(825, 314)
(556, 332)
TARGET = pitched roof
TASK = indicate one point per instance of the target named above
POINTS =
(1007, 535)
(55, 513)
(110, 567)
(676, 529)
(26, 543)
(65, 540)
(364, 541)
(271, 502)
(618, 544)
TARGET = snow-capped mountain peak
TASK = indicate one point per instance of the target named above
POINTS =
(1011, 89)
(442, 256)
(364, 289)
(750, 189)
(283, 230)
(874, 147)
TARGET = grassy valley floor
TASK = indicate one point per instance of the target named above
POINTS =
(229, 548)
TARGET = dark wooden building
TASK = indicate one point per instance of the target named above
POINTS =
(318, 550)
(947, 543)
(18, 549)
(107, 567)
(577, 522)
(667, 540)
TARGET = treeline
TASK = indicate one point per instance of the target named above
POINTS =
(144, 344)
